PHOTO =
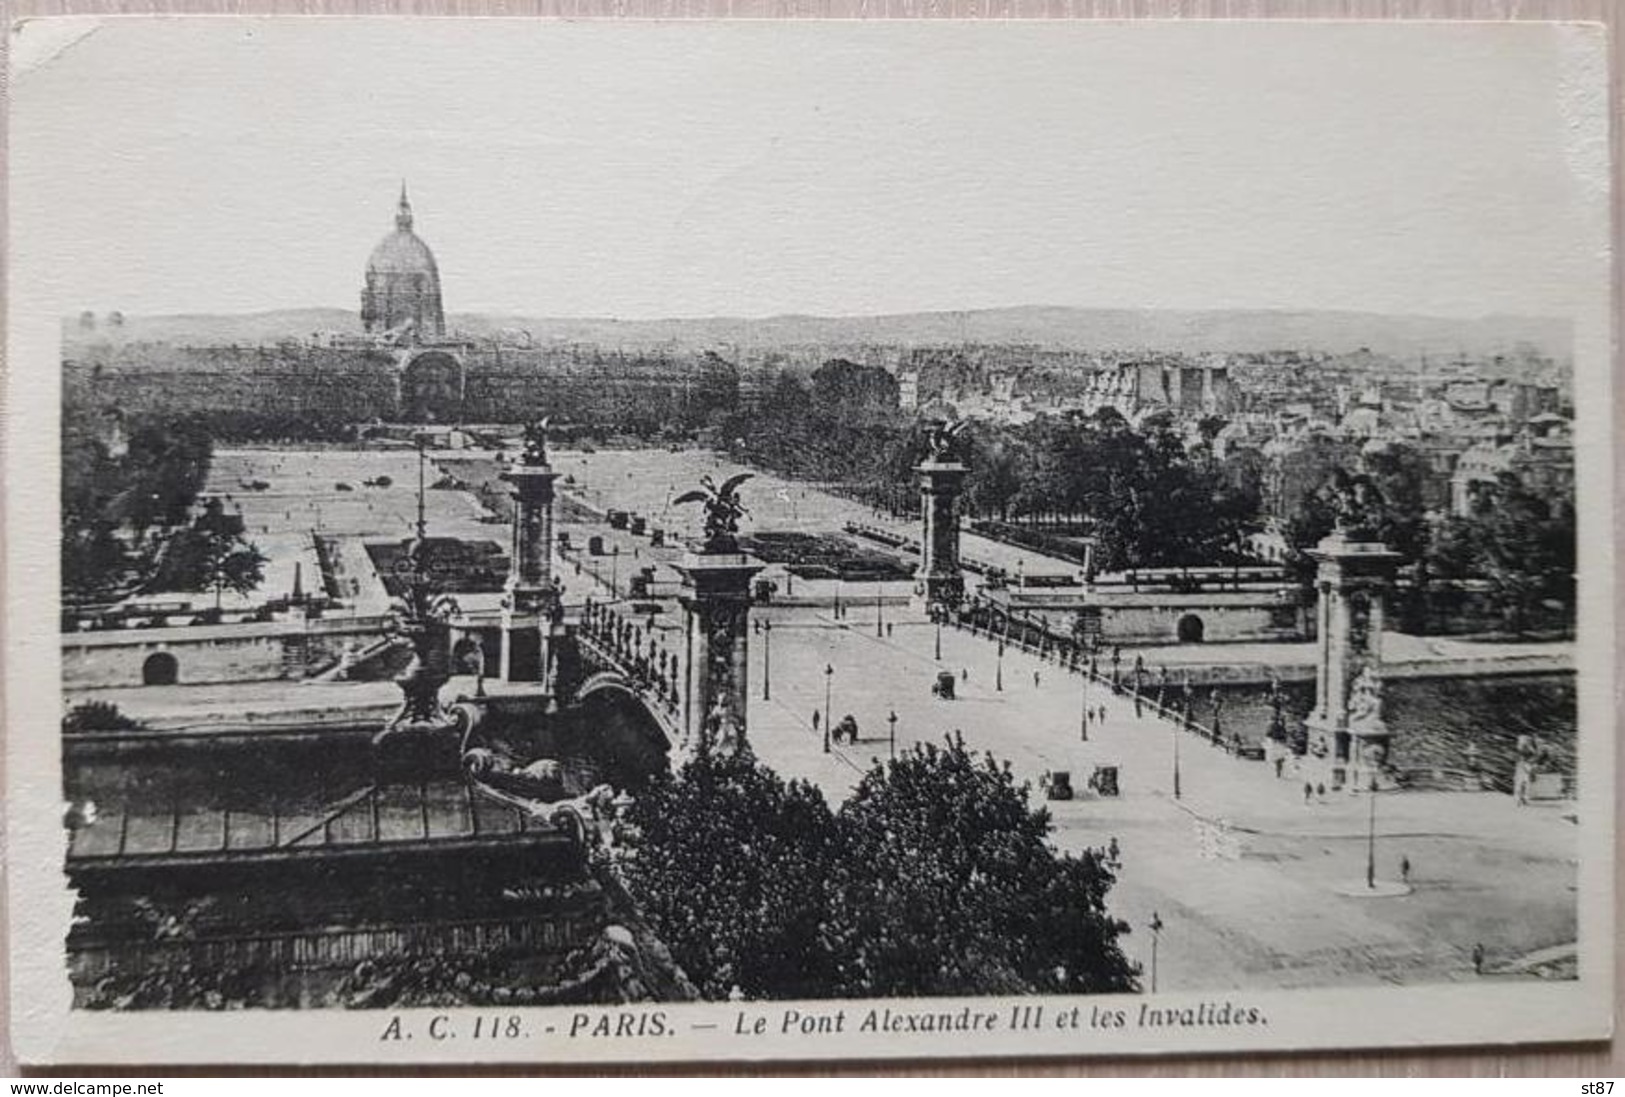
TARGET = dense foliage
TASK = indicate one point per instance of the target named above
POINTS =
(730, 869)
(840, 425)
(946, 884)
(211, 555)
(1148, 495)
(122, 482)
(97, 716)
(935, 878)
(1521, 544)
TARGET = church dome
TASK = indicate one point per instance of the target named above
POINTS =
(402, 252)
(402, 288)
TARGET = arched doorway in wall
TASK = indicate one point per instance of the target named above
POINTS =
(1190, 629)
(432, 388)
(160, 669)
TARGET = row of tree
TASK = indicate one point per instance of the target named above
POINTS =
(1145, 495)
(935, 877)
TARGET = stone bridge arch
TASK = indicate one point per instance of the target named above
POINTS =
(625, 730)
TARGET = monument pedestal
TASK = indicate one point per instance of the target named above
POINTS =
(1347, 738)
(716, 690)
(531, 606)
(940, 581)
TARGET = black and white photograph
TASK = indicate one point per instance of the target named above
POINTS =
(567, 541)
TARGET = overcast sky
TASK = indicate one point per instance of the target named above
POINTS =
(650, 170)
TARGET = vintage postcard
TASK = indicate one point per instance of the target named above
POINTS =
(567, 541)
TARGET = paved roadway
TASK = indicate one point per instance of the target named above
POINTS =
(1246, 877)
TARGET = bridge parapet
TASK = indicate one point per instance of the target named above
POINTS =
(610, 643)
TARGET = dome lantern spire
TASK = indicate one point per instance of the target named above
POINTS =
(403, 213)
(402, 287)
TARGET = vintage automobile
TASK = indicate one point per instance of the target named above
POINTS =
(943, 686)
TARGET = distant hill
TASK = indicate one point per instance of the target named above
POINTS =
(203, 329)
(1053, 327)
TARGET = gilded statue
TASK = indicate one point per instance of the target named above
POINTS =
(722, 510)
(942, 441)
(536, 441)
(1356, 503)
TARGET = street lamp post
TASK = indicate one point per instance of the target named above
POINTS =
(892, 722)
(615, 571)
(837, 597)
(998, 673)
(1085, 724)
(1174, 724)
(1371, 840)
(939, 637)
(829, 674)
(767, 660)
(1156, 938)
(880, 621)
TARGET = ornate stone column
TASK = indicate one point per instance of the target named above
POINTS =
(717, 600)
(940, 579)
(1346, 727)
(531, 601)
(716, 581)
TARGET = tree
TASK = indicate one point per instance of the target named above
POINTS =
(853, 389)
(729, 864)
(211, 554)
(94, 561)
(1519, 541)
(935, 878)
(91, 716)
(946, 884)
(114, 492)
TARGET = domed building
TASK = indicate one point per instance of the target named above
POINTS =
(402, 293)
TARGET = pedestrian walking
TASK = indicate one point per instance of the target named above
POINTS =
(1035, 679)
(1279, 762)
(964, 674)
(1112, 850)
(815, 719)
(1404, 868)
(1308, 789)
(888, 630)
(1478, 958)
(1320, 791)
